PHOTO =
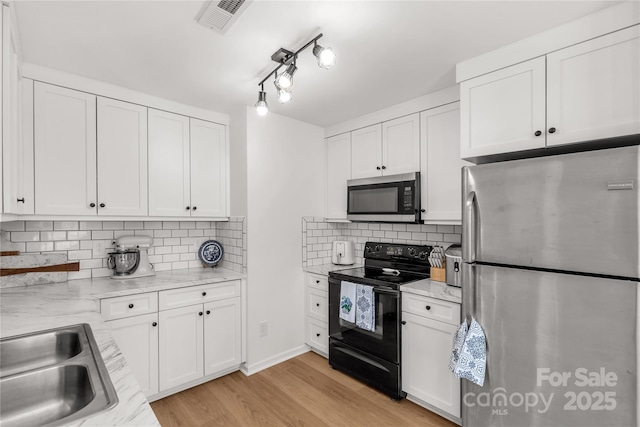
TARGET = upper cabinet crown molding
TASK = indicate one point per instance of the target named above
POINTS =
(620, 16)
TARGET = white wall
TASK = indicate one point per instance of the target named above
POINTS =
(238, 162)
(285, 181)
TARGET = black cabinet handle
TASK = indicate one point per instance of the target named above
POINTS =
(92, 205)
(195, 207)
(423, 210)
(538, 133)
(404, 322)
(384, 167)
(130, 305)
(154, 324)
(188, 207)
(317, 335)
(208, 311)
(378, 167)
(21, 200)
(552, 130)
(200, 314)
(102, 205)
(428, 307)
(204, 294)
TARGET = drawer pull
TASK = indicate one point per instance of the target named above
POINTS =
(428, 307)
(154, 324)
(204, 294)
(317, 335)
(317, 304)
(404, 322)
(130, 305)
(208, 311)
(200, 314)
(318, 281)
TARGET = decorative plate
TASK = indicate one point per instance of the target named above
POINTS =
(210, 253)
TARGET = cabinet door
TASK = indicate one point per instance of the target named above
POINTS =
(502, 111)
(338, 173)
(208, 169)
(401, 145)
(12, 144)
(593, 89)
(426, 350)
(366, 152)
(181, 346)
(122, 158)
(65, 151)
(137, 338)
(222, 335)
(441, 164)
(169, 172)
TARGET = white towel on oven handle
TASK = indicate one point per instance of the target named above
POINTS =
(348, 301)
(365, 308)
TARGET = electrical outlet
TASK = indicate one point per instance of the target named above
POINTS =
(263, 329)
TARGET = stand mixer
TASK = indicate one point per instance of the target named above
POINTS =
(130, 258)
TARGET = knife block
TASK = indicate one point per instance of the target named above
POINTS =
(439, 274)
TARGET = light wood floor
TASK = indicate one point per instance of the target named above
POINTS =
(304, 391)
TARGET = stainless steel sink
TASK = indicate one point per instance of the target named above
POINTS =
(52, 377)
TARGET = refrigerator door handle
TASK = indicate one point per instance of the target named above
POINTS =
(469, 301)
(469, 228)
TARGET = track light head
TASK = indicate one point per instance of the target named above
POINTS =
(325, 56)
(262, 108)
(284, 80)
(283, 96)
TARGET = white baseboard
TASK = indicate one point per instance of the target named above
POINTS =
(274, 360)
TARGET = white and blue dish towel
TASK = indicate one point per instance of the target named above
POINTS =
(469, 353)
(365, 311)
(348, 301)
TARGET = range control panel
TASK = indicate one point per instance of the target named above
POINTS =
(390, 251)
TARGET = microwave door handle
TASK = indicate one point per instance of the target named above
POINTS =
(469, 229)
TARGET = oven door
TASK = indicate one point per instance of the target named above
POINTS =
(384, 340)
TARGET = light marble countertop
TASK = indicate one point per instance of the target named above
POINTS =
(38, 307)
(325, 269)
(433, 289)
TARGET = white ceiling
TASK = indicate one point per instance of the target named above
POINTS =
(388, 51)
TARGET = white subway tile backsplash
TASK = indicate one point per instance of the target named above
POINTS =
(170, 225)
(50, 235)
(152, 225)
(12, 226)
(67, 245)
(39, 246)
(65, 225)
(113, 225)
(102, 235)
(90, 225)
(187, 225)
(39, 225)
(179, 233)
(133, 225)
(78, 235)
(25, 236)
(78, 255)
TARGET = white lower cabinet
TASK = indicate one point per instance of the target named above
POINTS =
(317, 313)
(222, 332)
(426, 351)
(181, 346)
(137, 338)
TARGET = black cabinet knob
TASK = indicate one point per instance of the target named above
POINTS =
(428, 307)
(404, 322)
(200, 314)
(188, 207)
(317, 335)
(317, 281)
(204, 294)
(378, 167)
(154, 324)
(21, 200)
(538, 133)
(208, 311)
(552, 130)
(317, 304)
(195, 207)
(102, 205)
(92, 205)
(130, 305)
(384, 167)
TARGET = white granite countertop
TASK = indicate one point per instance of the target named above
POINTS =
(38, 307)
(325, 269)
(433, 289)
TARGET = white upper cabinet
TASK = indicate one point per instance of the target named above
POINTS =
(366, 152)
(401, 145)
(122, 158)
(208, 169)
(593, 89)
(338, 173)
(169, 164)
(441, 164)
(65, 151)
(504, 110)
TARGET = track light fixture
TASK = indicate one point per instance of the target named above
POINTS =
(284, 81)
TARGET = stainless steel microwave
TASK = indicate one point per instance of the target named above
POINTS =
(393, 198)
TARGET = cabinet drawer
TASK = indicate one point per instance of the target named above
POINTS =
(129, 305)
(318, 281)
(444, 311)
(317, 306)
(318, 335)
(183, 297)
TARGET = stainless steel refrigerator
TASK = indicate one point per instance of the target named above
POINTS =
(551, 272)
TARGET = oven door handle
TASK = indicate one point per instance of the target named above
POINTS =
(385, 290)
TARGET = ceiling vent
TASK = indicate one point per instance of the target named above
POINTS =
(220, 15)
